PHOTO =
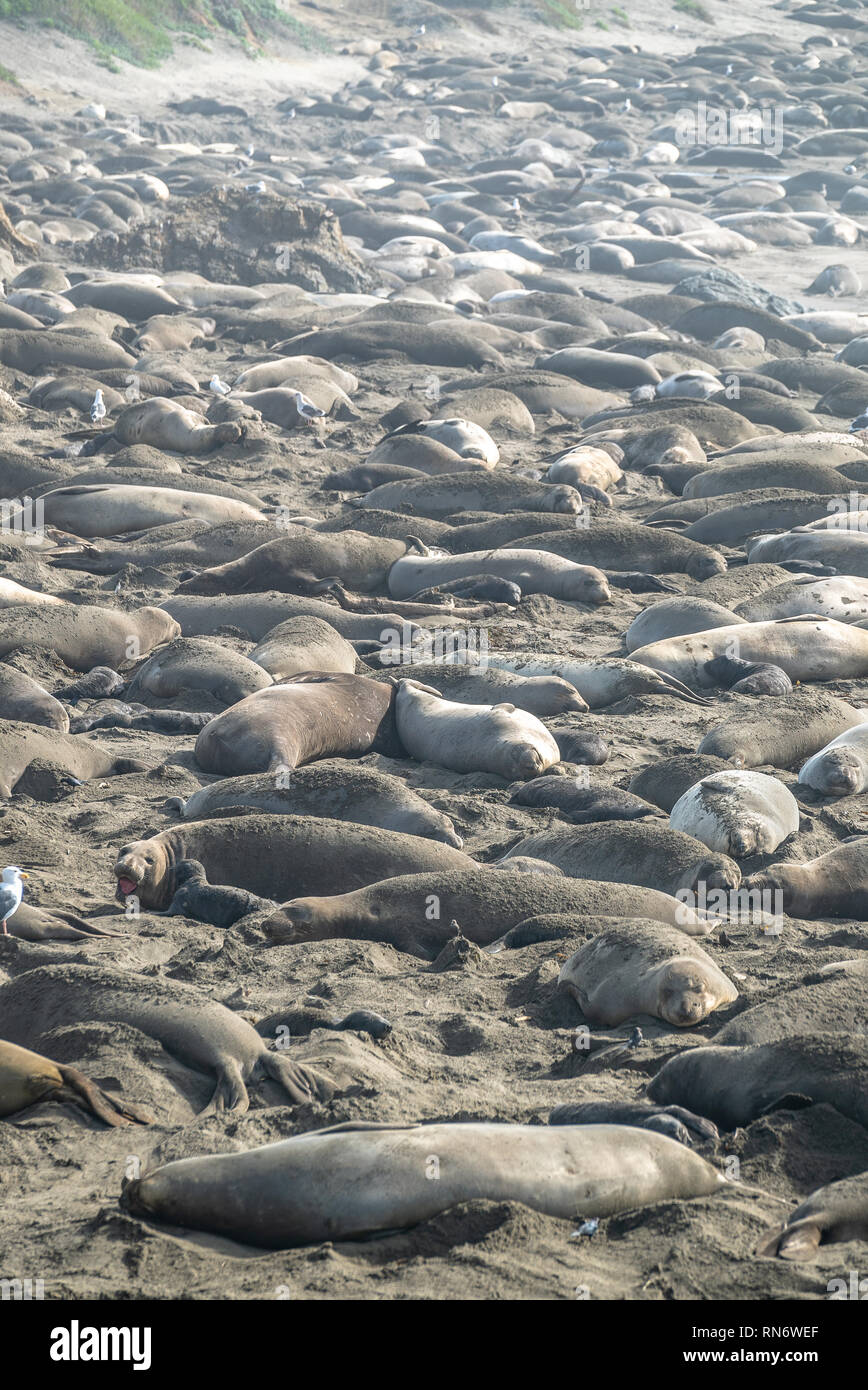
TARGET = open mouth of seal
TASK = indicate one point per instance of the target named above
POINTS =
(126, 886)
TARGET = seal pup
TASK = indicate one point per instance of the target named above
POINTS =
(601, 680)
(357, 1179)
(737, 813)
(582, 804)
(195, 897)
(841, 768)
(749, 677)
(26, 1078)
(834, 1213)
(472, 738)
(644, 967)
(194, 663)
(833, 885)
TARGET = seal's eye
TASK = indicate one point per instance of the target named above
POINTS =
(149, 859)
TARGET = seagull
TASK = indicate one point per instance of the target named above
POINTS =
(860, 423)
(255, 187)
(250, 151)
(97, 410)
(306, 408)
(218, 387)
(421, 29)
(11, 889)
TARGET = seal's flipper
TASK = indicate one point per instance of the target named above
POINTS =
(301, 1083)
(798, 1242)
(231, 1092)
(105, 1107)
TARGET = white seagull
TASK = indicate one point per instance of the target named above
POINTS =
(218, 387)
(11, 889)
(97, 410)
(860, 423)
(306, 408)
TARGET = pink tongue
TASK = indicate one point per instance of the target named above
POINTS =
(126, 885)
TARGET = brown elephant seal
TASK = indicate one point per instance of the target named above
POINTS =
(196, 1030)
(644, 967)
(215, 904)
(600, 680)
(490, 685)
(257, 614)
(841, 768)
(476, 491)
(105, 509)
(735, 1085)
(579, 804)
(331, 789)
(737, 812)
(41, 924)
(665, 781)
(532, 571)
(24, 699)
(808, 648)
(672, 1120)
(832, 1214)
(500, 739)
(84, 637)
(303, 644)
(26, 1078)
(193, 663)
(833, 885)
(166, 425)
(781, 733)
(357, 1180)
(277, 856)
(21, 743)
(311, 717)
(644, 853)
(300, 559)
(748, 677)
(835, 1002)
(413, 912)
(609, 543)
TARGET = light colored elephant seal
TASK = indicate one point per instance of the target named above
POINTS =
(195, 1029)
(783, 732)
(277, 857)
(21, 743)
(105, 509)
(331, 789)
(490, 685)
(833, 885)
(472, 738)
(641, 852)
(303, 644)
(601, 680)
(841, 768)
(837, 1212)
(413, 912)
(644, 967)
(673, 617)
(356, 1180)
(84, 637)
(532, 570)
(806, 648)
(737, 813)
(166, 425)
(193, 663)
(843, 597)
(23, 698)
(311, 717)
(26, 1077)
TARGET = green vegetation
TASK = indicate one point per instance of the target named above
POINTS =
(142, 31)
(562, 13)
(695, 8)
(620, 16)
(6, 75)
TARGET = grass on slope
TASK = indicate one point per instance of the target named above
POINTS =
(142, 31)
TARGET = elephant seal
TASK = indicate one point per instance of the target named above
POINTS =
(533, 572)
(833, 885)
(311, 717)
(193, 663)
(195, 897)
(841, 768)
(41, 924)
(644, 967)
(500, 739)
(663, 782)
(601, 680)
(198, 1031)
(843, 597)
(611, 544)
(781, 734)
(303, 644)
(26, 1077)
(84, 637)
(673, 617)
(166, 425)
(835, 1002)
(835, 280)
(21, 743)
(14, 594)
(478, 491)
(22, 698)
(735, 1085)
(737, 813)
(806, 648)
(672, 1120)
(257, 614)
(749, 677)
(412, 912)
(301, 1020)
(335, 790)
(106, 509)
(489, 685)
(277, 856)
(640, 852)
(357, 1180)
(582, 804)
(837, 1212)
(295, 561)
